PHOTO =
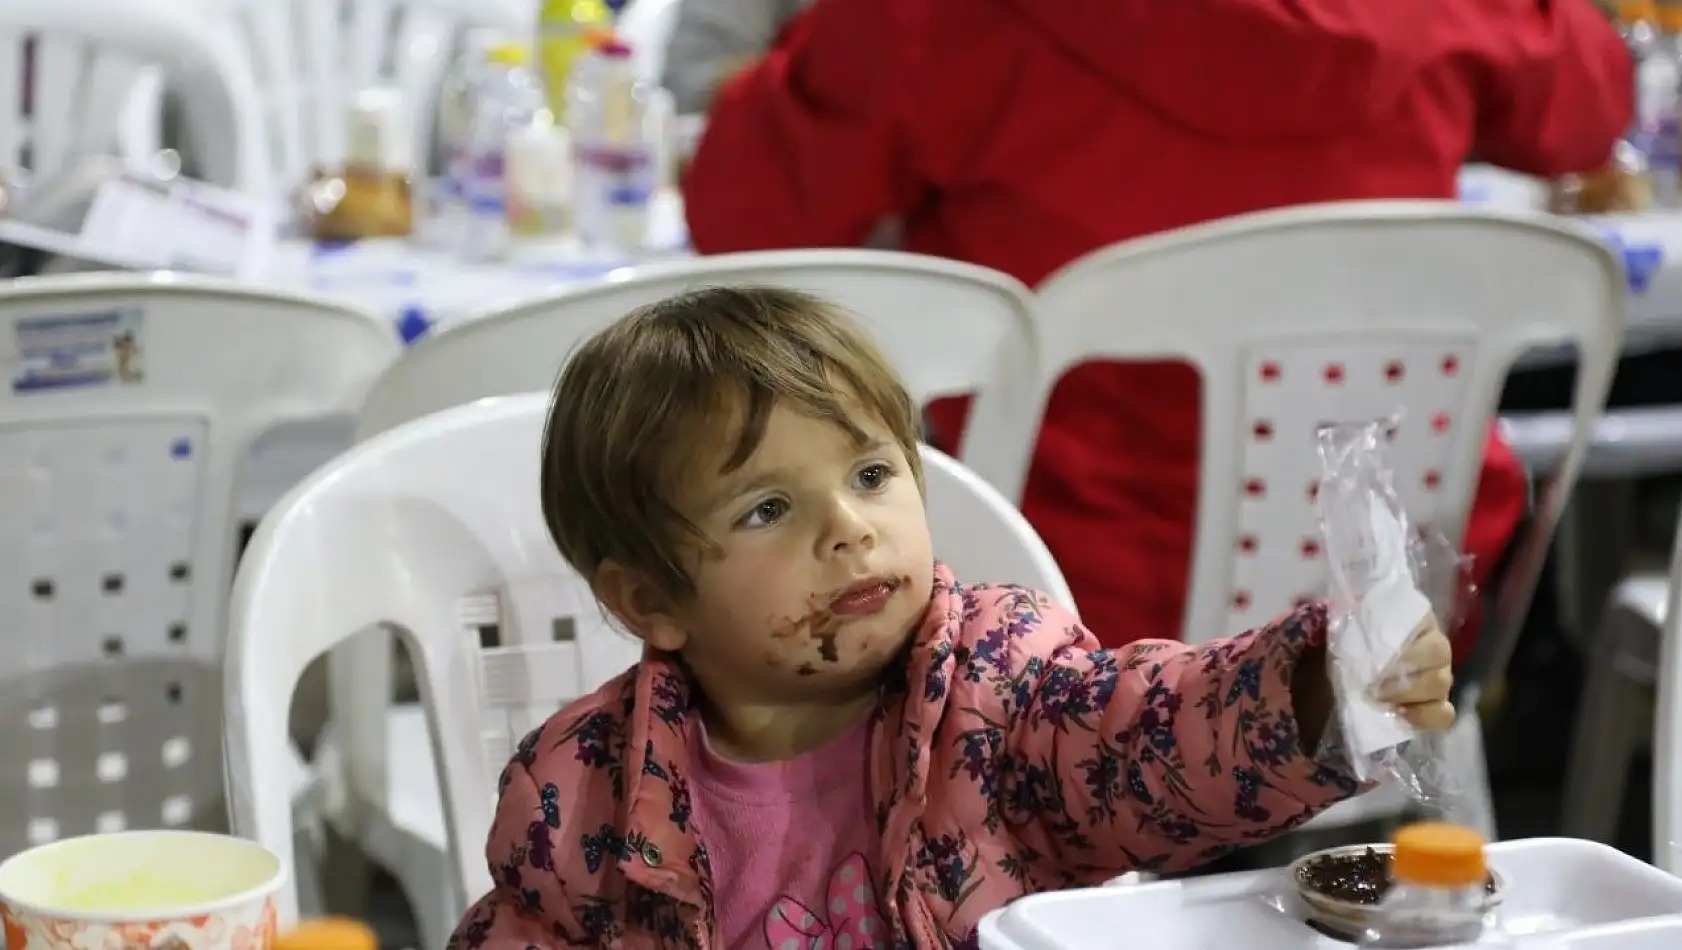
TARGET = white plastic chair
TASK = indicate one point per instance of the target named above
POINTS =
(1629, 654)
(398, 533)
(1343, 311)
(1667, 733)
(429, 540)
(948, 327)
(313, 57)
(118, 464)
(96, 69)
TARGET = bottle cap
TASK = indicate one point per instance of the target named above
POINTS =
(1438, 855)
(1635, 11)
(328, 933)
(508, 54)
(1669, 16)
(377, 132)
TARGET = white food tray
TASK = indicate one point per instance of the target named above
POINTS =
(1658, 934)
(1554, 886)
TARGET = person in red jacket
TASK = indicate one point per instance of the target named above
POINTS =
(1022, 134)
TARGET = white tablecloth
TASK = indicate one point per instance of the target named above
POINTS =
(1650, 242)
(422, 287)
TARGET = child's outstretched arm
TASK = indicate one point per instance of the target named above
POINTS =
(526, 908)
(1158, 756)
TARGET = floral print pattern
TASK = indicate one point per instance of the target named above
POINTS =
(1013, 756)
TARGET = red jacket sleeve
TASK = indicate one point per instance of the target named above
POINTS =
(803, 148)
(1561, 96)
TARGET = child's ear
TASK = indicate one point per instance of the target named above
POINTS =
(642, 607)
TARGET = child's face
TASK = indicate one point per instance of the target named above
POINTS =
(823, 565)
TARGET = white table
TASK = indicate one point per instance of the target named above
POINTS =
(1650, 242)
(422, 287)
(1556, 889)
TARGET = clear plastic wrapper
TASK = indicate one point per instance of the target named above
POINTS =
(1388, 580)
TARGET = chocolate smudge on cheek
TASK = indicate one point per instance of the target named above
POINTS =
(789, 627)
(806, 669)
(823, 633)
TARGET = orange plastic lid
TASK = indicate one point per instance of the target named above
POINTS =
(1438, 855)
(328, 933)
(1634, 11)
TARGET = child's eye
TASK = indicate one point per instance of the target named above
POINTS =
(765, 513)
(873, 477)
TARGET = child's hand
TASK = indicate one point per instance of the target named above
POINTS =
(1421, 695)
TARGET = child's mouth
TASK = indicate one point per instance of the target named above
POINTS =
(863, 598)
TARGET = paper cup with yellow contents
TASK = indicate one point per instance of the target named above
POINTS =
(142, 890)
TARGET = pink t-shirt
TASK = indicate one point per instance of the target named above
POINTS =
(792, 846)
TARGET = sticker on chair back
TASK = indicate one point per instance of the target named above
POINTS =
(77, 350)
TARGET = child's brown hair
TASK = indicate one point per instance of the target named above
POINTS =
(642, 402)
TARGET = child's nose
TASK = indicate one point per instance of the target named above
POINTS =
(849, 528)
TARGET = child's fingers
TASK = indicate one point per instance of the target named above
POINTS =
(1428, 651)
(1435, 716)
(1424, 686)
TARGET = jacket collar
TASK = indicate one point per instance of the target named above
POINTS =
(662, 852)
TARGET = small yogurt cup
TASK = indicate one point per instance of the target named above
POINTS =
(142, 890)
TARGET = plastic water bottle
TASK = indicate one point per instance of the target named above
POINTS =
(566, 29)
(456, 104)
(1438, 895)
(507, 98)
(615, 150)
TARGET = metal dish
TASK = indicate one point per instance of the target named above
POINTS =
(1352, 916)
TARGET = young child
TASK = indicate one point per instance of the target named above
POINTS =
(831, 741)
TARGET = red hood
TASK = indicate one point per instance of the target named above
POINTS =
(1255, 70)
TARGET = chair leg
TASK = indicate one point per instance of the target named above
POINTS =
(1608, 735)
(426, 883)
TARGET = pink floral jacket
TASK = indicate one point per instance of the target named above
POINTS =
(1011, 755)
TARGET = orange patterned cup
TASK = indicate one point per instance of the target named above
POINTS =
(142, 890)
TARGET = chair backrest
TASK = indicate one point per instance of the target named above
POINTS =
(128, 406)
(399, 534)
(981, 535)
(312, 57)
(948, 327)
(92, 57)
(1335, 312)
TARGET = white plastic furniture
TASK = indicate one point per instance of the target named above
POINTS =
(456, 561)
(46, 71)
(1627, 654)
(1644, 617)
(948, 327)
(399, 533)
(93, 56)
(1659, 933)
(128, 405)
(1335, 312)
(1557, 889)
(312, 57)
